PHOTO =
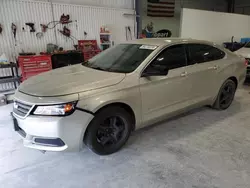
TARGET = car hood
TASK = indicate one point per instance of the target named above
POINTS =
(69, 80)
(245, 52)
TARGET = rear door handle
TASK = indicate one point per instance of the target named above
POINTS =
(184, 74)
(214, 67)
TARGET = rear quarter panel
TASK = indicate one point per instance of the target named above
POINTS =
(238, 66)
(231, 66)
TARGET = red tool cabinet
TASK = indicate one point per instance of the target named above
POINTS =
(89, 48)
(33, 65)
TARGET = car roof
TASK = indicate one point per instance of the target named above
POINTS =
(167, 41)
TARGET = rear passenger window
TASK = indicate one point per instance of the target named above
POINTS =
(201, 53)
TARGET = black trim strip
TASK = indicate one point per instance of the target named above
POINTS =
(53, 142)
(83, 110)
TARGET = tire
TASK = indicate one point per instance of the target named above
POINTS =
(109, 130)
(225, 96)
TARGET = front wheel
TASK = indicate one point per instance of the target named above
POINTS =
(108, 131)
(225, 96)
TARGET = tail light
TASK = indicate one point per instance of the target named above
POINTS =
(246, 62)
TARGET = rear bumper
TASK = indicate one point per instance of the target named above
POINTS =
(54, 133)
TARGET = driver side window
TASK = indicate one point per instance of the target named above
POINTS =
(171, 58)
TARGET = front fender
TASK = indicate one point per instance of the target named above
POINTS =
(128, 96)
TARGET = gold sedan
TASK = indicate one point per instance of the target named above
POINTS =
(130, 86)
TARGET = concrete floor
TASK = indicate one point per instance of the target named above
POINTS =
(203, 149)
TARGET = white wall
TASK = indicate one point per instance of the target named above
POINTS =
(89, 19)
(173, 24)
(129, 4)
(214, 26)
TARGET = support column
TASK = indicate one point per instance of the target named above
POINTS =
(138, 12)
(231, 6)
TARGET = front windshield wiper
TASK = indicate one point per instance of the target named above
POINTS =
(98, 68)
(85, 63)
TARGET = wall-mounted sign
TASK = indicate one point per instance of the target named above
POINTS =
(148, 32)
(163, 33)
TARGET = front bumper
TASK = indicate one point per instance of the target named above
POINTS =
(69, 129)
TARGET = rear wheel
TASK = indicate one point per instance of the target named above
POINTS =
(225, 96)
(109, 130)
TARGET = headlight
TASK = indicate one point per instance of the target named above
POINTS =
(55, 110)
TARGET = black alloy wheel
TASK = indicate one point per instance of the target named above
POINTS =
(109, 130)
(225, 96)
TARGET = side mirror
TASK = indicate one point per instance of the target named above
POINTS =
(155, 71)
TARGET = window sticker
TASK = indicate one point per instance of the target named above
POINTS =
(148, 47)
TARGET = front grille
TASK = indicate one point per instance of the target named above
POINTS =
(21, 109)
(248, 71)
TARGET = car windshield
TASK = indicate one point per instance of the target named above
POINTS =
(122, 58)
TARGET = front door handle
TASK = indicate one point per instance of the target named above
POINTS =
(214, 67)
(184, 74)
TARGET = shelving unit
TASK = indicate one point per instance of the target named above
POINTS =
(105, 33)
(105, 40)
(9, 80)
